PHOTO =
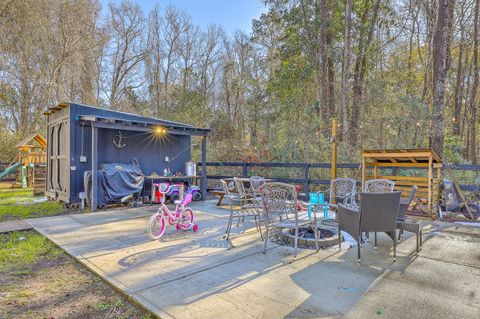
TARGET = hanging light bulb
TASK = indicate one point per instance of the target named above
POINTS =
(159, 131)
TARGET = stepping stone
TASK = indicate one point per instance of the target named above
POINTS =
(14, 225)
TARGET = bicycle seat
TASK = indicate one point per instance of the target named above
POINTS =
(187, 200)
(177, 202)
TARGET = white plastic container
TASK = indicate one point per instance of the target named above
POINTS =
(190, 169)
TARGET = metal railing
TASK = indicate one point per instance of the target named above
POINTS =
(305, 178)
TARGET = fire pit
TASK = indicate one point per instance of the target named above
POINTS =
(328, 236)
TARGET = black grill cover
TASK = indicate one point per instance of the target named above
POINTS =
(115, 181)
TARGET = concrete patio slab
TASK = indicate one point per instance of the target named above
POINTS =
(196, 275)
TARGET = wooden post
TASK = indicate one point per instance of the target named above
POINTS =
(204, 167)
(430, 179)
(94, 157)
(375, 169)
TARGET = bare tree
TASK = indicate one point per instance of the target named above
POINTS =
(154, 59)
(126, 51)
(210, 56)
(45, 55)
(176, 24)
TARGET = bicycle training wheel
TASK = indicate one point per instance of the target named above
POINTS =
(186, 220)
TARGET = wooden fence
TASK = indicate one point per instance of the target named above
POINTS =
(305, 177)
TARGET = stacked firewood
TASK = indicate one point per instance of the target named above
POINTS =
(419, 207)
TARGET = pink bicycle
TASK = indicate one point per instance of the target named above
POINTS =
(182, 216)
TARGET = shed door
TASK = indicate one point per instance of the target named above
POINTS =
(59, 173)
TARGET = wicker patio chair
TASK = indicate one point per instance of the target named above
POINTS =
(239, 208)
(379, 185)
(343, 190)
(378, 213)
(405, 223)
(281, 212)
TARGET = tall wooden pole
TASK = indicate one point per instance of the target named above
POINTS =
(334, 153)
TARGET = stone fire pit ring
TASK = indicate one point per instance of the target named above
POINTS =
(328, 236)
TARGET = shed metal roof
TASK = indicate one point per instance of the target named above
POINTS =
(117, 120)
(409, 155)
(140, 126)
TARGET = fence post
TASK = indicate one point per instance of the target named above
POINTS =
(245, 170)
(307, 180)
(204, 167)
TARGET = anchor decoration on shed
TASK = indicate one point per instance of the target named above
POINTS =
(118, 141)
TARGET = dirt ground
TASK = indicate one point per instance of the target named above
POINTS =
(47, 283)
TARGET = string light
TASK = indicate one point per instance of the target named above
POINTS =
(160, 131)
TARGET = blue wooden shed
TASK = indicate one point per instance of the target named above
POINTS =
(80, 138)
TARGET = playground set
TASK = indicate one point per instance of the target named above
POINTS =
(30, 161)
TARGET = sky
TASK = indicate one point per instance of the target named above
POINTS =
(231, 14)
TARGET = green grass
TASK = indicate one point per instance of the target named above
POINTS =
(20, 250)
(34, 271)
(20, 204)
(18, 211)
(12, 196)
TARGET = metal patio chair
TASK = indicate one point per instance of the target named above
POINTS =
(343, 190)
(244, 193)
(378, 212)
(281, 211)
(255, 183)
(379, 185)
(240, 207)
(249, 200)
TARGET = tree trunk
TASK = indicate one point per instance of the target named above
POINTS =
(472, 147)
(458, 87)
(429, 12)
(441, 64)
(346, 68)
(360, 71)
(322, 61)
